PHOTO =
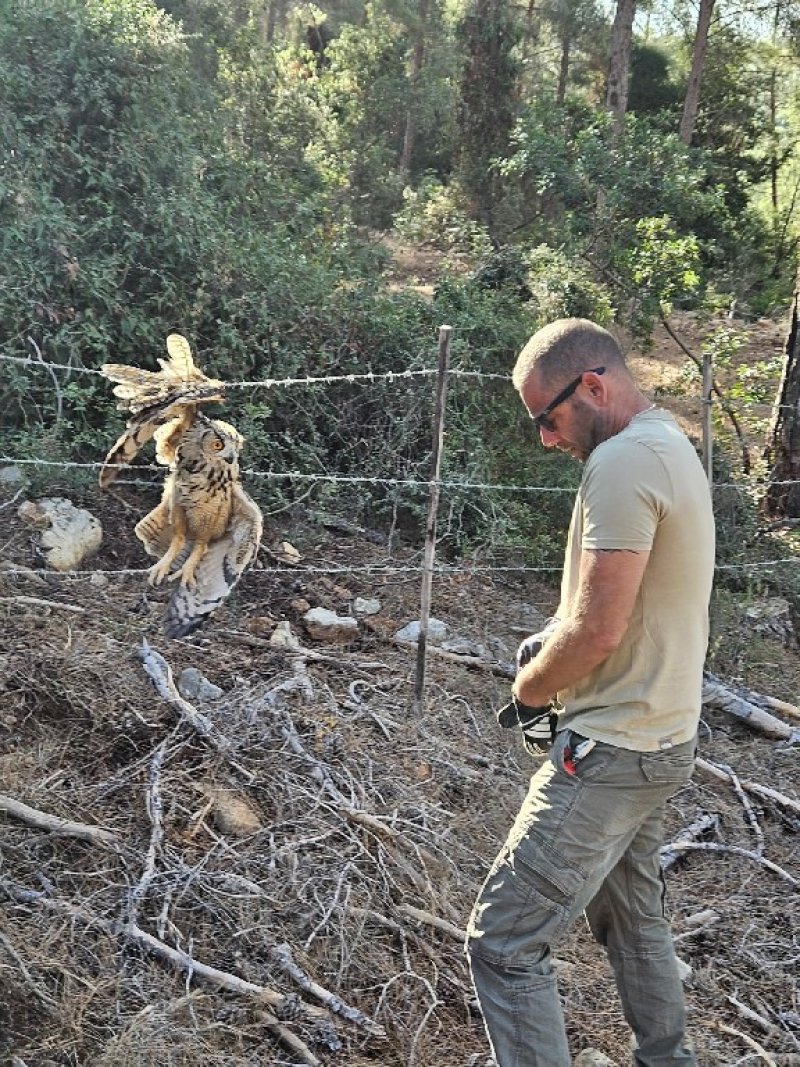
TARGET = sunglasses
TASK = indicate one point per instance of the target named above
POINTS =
(542, 421)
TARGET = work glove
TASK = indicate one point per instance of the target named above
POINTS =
(533, 645)
(538, 724)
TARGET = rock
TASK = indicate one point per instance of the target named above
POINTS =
(12, 477)
(462, 646)
(684, 970)
(233, 814)
(592, 1057)
(771, 617)
(366, 607)
(193, 685)
(70, 534)
(300, 605)
(324, 625)
(437, 632)
(283, 638)
(287, 553)
(260, 624)
(98, 579)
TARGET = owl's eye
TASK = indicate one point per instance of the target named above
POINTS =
(217, 445)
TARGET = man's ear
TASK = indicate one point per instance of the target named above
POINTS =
(596, 385)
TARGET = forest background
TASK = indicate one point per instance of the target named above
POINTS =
(232, 170)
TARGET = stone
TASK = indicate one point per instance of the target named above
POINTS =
(193, 685)
(684, 970)
(99, 580)
(300, 605)
(366, 607)
(592, 1057)
(462, 646)
(69, 534)
(12, 477)
(437, 632)
(325, 625)
(233, 814)
(282, 637)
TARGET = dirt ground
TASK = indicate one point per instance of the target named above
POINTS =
(321, 838)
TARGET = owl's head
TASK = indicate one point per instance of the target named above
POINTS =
(211, 440)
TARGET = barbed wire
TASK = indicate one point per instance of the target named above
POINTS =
(269, 383)
(364, 479)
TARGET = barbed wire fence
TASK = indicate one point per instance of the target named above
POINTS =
(750, 486)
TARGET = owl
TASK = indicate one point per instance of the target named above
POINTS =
(206, 529)
(157, 400)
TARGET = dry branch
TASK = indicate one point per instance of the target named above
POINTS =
(160, 674)
(282, 954)
(735, 850)
(749, 1041)
(95, 835)
(39, 602)
(764, 792)
(426, 917)
(705, 824)
(156, 833)
(717, 695)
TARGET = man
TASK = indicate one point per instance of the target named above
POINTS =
(625, 657)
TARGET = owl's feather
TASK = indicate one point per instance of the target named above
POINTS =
(155, 399)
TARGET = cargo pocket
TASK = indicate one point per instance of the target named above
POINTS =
(666, 766)
(550, 887)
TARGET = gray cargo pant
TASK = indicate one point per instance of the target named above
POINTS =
(587, 841)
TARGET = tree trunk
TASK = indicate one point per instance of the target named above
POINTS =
(619, 62)
(698, 61)
(417, 62)
(563, 70)
(782, 499)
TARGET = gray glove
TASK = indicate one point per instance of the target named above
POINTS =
(533, 645)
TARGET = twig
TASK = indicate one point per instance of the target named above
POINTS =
(95, 835)
(749, 1041)
(426, 917)
(753, 1016)
(282, 955)
(38, 602)
(710, 846)
(161, 675)
(14, 498)
(749, 814)
(154, 808)
(47, 1001)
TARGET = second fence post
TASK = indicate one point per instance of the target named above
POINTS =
(433, 510)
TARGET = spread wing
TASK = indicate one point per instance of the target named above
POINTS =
(154, 399)
(218, 571)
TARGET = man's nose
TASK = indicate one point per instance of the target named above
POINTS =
(549, 437)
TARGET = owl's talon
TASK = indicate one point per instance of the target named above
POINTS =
(157, 574)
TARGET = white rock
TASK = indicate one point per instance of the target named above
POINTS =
(324, 625)
(98, 579)
(462, 646)
(283, 637)
(437, 632)
(366, 607)
(70, 534)
(195, 686)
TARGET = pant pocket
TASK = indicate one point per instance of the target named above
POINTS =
(666, 766)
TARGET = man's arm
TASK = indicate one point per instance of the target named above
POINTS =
(608, 586)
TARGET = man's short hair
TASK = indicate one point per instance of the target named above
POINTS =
(563, 349)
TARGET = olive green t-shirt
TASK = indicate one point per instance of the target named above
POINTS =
(645, 490)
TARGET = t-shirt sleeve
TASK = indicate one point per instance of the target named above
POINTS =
(625, 494)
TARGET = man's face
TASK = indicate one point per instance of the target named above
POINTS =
(577, 424)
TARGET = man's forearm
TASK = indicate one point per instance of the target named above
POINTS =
(571, 653)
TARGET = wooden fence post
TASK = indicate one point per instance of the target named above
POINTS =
(433, 509)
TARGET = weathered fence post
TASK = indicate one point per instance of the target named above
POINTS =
(433, 509)
(708, 437)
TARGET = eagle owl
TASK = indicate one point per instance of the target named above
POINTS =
(206, 529)
(157, 400)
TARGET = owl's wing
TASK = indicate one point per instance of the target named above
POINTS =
(218, 571)
(155, 398)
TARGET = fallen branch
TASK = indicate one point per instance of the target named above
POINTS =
(39, 602)
(749, 814)
(749, 1041)
(753, 1016)
(282, 954)
(160, 674)
(156, 832)
(764, 792)
(717, 695)
(704, 825)
(95, 835)
(426, 917)
(709, 846)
